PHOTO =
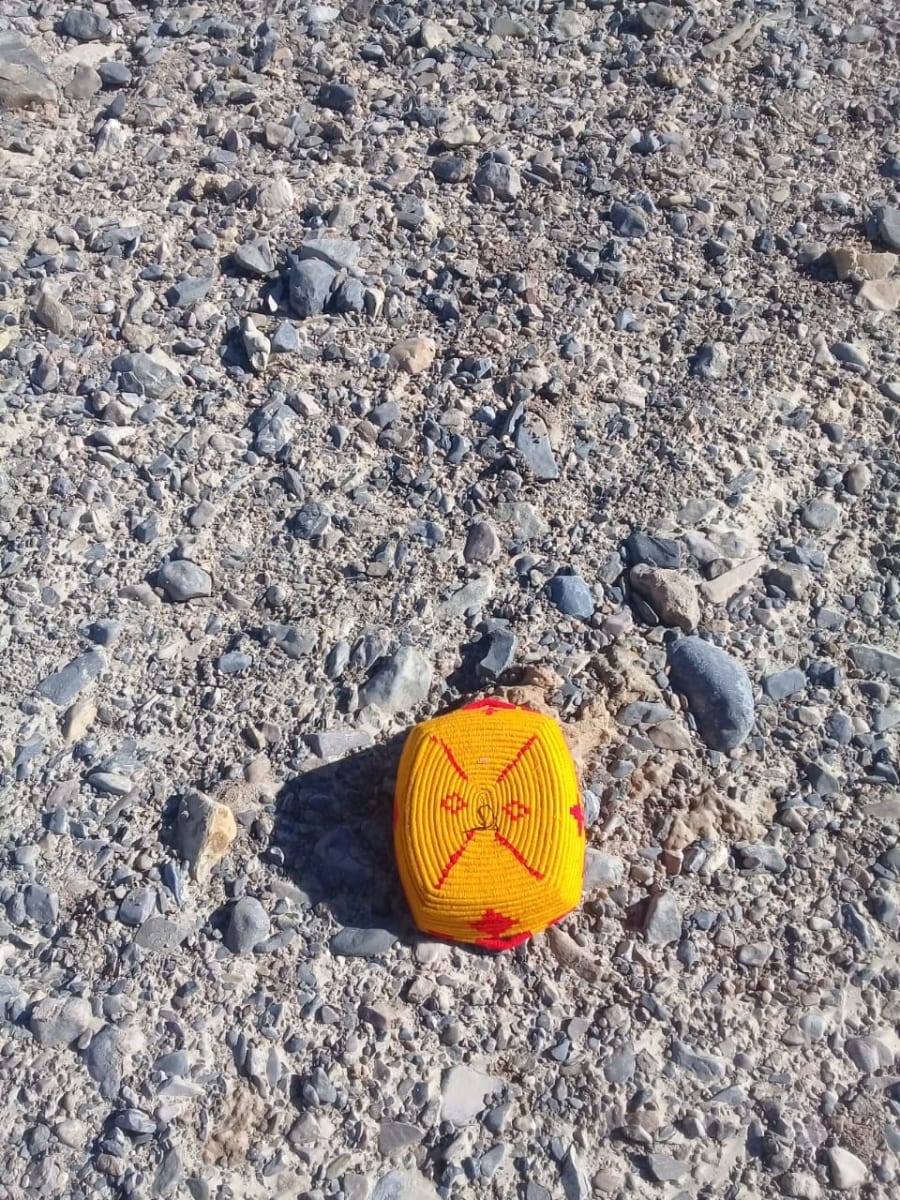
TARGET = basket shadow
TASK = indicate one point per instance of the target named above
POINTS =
(333, 825)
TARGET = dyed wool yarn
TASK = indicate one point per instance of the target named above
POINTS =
(488, 824)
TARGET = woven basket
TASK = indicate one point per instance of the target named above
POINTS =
(488, 825)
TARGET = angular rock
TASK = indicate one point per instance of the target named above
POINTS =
(60, 1020)
(465, 1091)
(413, 354)
(869, 1054)
(255, 257)
(504, 181)
(400, 682)
(404, 1185)
(784, 684)
(819, 514)
(103, 1060)
(660, 552)
(717, 690)
(309, 286)
(53, 314)
(662, 921)
(532, 442)
(339, 97)
(876, 660)
(152, 373)
(397, 1135)
(711, 361)
(24, 79)
(204, 829)
(672, 596)
(182, 580)
(64, 685)
(482, 543)
(340, 253)
(887, 219)
(793, 579)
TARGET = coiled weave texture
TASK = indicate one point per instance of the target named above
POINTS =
(488, 824)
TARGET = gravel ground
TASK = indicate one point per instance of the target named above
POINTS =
(356, 361)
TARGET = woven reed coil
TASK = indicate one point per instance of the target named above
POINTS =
(488, 825)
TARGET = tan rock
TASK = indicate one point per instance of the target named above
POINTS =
(413, 354)
(78, 720)
(868, 264)
(204, 829)
(276, 195)
(670, 594)
(882, 295)
(723, 587)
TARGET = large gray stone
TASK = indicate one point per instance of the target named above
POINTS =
(248, 925)
(309, 285)
(64, 685)
(717, 689)
(183, 580)
(400, 683)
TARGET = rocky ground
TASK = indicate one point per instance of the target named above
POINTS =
(356, 360)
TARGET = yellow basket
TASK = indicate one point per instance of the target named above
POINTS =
(488, 825)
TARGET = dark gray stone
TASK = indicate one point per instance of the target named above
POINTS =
(64, 685)
(351, 942)
(887, 218)
(85, 25)
(152, 373)
(662, 552)
(499, 645)
(342, 861)
(309, 286)
(233, 662)
(339, 97)
(114, 74)
(137, 907)
(295, 643)
(503, 180)
(41, 905)
(717, 690)
(628, 220)
(248, 925)
(571, 595)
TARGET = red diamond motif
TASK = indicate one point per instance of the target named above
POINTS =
(454, 803)
(516, 810)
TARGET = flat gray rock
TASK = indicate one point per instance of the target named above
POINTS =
(465, 1091)
(351, 942)
(183, 580)
(65, 684)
